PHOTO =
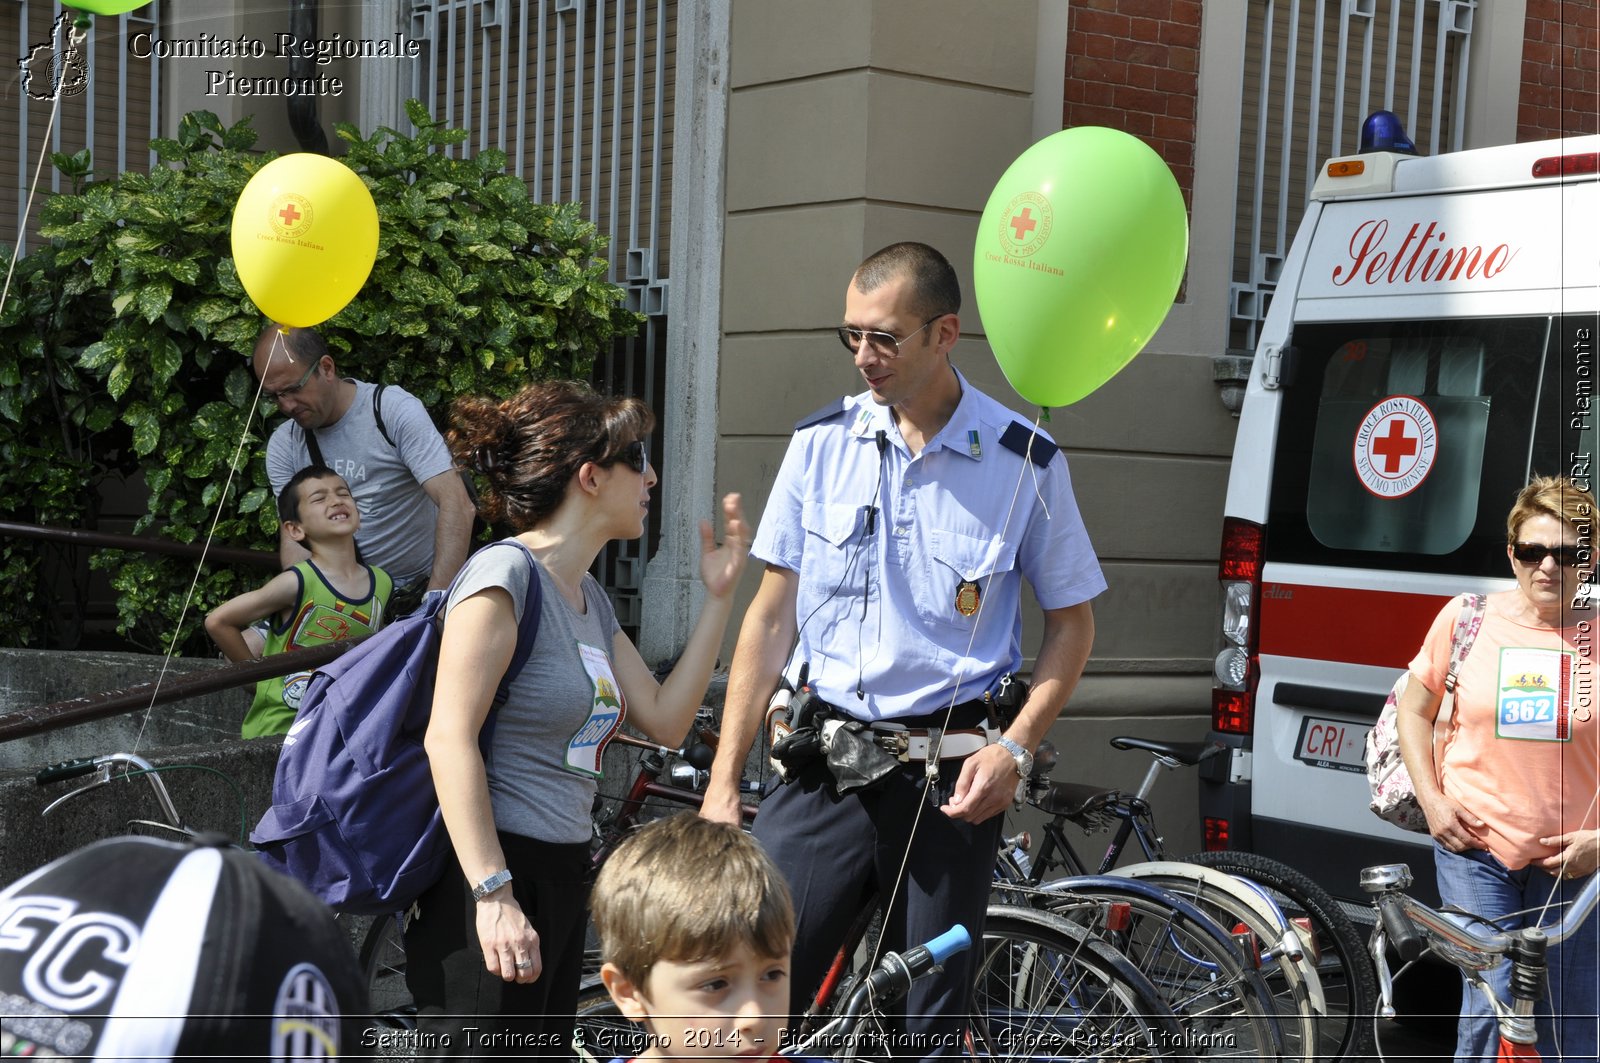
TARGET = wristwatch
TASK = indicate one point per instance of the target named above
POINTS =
(1023, 758)
(490, 884)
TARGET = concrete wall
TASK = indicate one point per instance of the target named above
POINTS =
(202, 730)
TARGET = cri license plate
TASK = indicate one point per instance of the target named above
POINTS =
(1335, 744)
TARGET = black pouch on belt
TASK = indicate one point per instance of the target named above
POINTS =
(855, 760)
(802, 746)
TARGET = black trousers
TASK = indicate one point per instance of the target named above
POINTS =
(465, 1012)
(839, 851)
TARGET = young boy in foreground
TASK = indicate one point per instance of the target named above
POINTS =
(330, 597)
(695, 927)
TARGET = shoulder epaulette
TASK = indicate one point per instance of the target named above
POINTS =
(827, 413)
(1024, 441)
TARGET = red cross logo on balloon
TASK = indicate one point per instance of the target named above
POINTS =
(289, 214)
(1025, 224)
(1395, 446)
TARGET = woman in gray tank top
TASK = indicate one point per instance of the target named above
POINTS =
(494, 953)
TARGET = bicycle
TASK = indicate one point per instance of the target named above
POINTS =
(1320, 974)
(1472, 945)
(1096, 999)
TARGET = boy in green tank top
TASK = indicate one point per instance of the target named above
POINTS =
(330, 597)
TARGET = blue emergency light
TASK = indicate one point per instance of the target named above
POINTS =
(1383, 131)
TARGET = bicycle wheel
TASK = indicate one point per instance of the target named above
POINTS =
(1044, 988)
(1204, 977)
(601, 1033)
(1349, 983)
(1294, 983)
(383, 963)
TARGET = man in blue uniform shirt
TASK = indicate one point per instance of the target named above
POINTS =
(896, 538)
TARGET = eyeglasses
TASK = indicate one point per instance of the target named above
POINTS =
(1534, 554)
(275, 396)
(635, 455)
(885, 343)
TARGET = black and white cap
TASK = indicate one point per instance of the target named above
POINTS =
(138, 948)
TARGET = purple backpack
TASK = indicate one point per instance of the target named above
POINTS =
(354, 816)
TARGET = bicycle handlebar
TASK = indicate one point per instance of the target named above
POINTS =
(101, 767)
(78, 767)
(1408, 941)
(64, 770)
(894, 974)
(1405, 918)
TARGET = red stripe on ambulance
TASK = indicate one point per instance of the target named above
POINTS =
(1347, 624)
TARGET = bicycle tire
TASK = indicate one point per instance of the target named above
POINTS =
(602, 1033)
(1044, 987)
(1204, 977)
(383, 965)
(1294, 983)
(1349, 981)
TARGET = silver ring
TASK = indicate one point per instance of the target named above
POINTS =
(524, 965)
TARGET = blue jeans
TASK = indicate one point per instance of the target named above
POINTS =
(1476, 882)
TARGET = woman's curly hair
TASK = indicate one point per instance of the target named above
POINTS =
(527, 448)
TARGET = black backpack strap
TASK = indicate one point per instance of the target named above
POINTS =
(377, 413)
(312, 448)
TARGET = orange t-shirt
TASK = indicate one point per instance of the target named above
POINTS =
(1523, 750)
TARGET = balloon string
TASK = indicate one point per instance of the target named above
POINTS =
(934, 754)
(76, 38)
(210, 537)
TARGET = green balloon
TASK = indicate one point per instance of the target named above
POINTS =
(104, 7)
(1078, 259)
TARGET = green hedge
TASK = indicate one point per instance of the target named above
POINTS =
(125, 343)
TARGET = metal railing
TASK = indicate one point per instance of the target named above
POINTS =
(25, 723)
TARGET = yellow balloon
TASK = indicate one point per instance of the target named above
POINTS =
(305, 235)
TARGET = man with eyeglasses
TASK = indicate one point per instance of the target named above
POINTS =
(896, 539)
(416, 516)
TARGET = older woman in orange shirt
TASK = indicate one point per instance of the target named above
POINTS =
(1509, 790)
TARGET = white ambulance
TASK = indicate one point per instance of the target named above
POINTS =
(1430, 344)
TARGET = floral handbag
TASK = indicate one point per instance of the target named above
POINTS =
(1393, 797)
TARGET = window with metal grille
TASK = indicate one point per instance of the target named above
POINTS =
(109, 102)
(1314, 70)
(580, 96)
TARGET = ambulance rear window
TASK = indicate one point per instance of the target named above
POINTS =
(1403, 444)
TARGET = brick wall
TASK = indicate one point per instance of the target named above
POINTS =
(1560, 70)
(1134, 65)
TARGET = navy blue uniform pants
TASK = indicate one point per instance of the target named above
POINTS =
(839, 852)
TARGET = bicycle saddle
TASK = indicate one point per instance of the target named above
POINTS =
(1190, 753)
(1074, 800)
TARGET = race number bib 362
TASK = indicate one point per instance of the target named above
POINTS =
(605, 714)
(1535, 695)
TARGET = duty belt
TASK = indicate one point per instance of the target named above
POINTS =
(918, 743)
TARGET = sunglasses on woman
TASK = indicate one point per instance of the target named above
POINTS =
(1533, 554)
(635, 455)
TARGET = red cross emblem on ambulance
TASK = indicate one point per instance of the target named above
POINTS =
(1395, 445)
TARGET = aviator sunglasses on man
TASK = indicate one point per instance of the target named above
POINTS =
(1533, 554)
(885, 343)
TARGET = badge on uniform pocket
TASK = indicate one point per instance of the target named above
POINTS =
(967, 597)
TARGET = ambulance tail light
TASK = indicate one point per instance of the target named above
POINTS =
(1216, 834)
(1580, 165)
(1236, 669)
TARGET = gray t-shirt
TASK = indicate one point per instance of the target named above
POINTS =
(544, 760)
(398, 519)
